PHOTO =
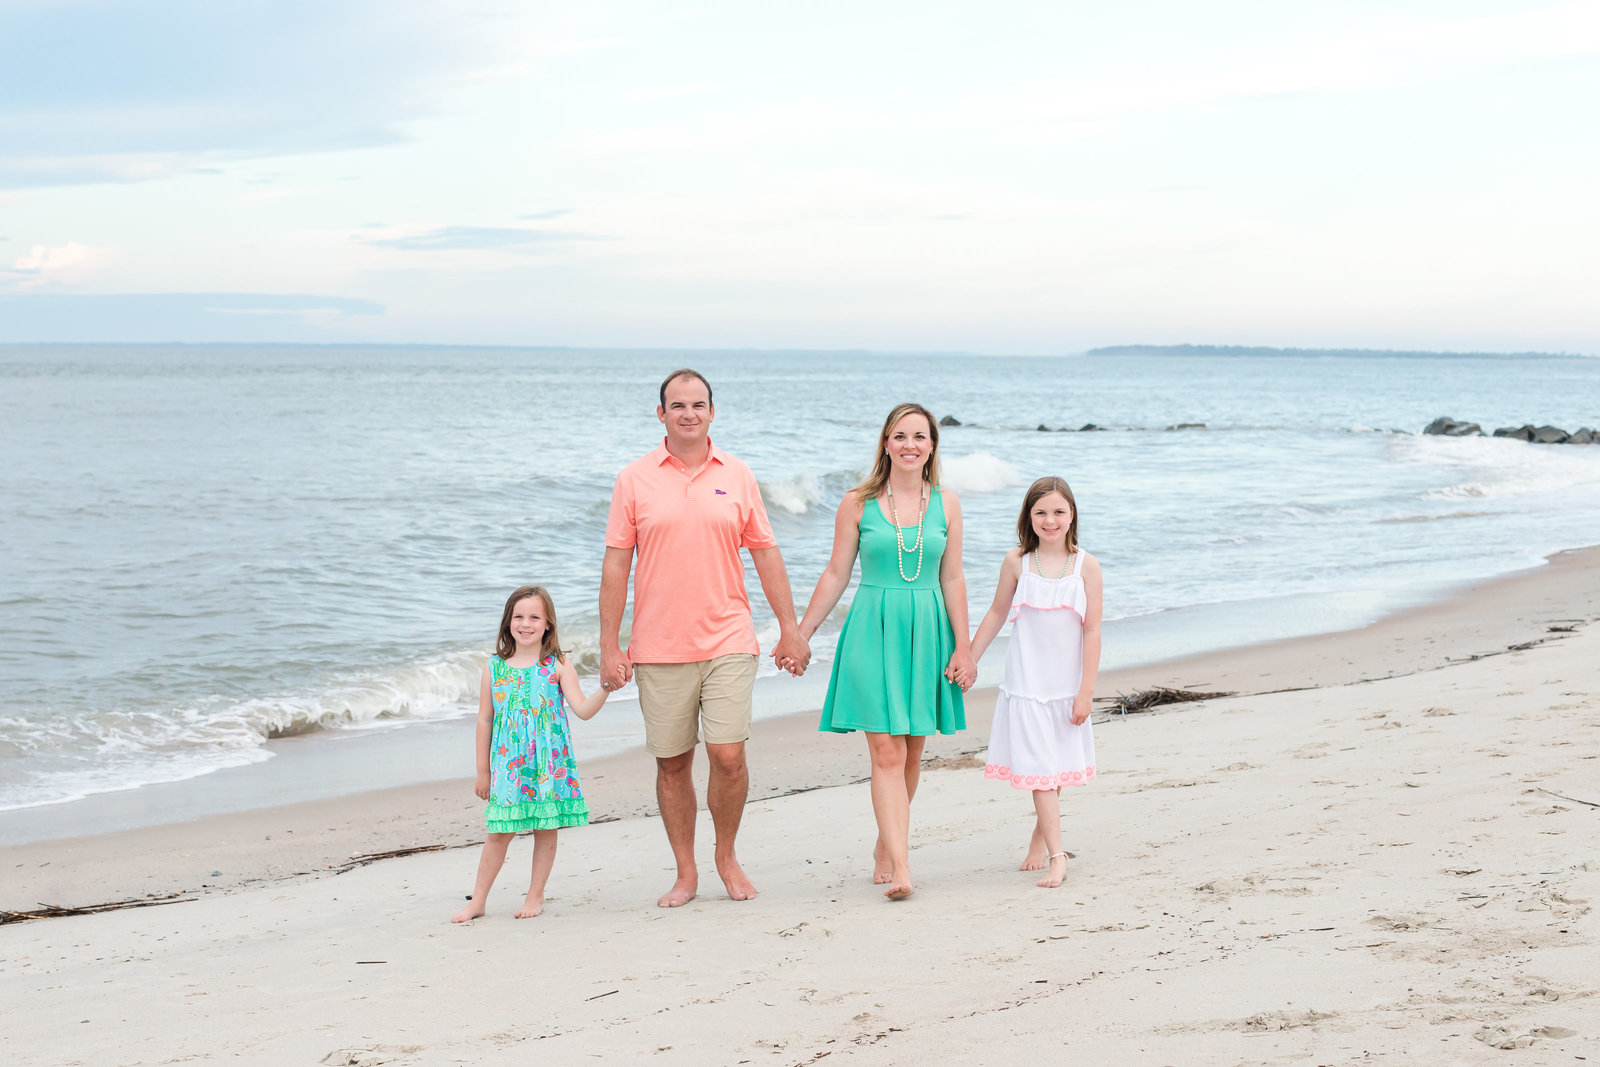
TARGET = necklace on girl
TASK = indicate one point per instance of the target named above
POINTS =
(900, 536)
(1066, 565)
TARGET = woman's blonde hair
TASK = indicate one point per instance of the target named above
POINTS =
(505, 645)
(878, 477)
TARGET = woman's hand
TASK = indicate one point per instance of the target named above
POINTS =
(1082, 706)
(962, 670)
(481, 787)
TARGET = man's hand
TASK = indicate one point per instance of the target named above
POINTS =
(792, 653)
(616, 669)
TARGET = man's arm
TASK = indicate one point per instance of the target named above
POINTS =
(615, 667)
(792, 652)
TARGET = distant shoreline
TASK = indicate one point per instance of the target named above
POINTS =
(1248, 350)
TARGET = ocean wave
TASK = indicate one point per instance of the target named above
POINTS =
(796, 494)
(1479, 468)
(978, 472)
(70, 757)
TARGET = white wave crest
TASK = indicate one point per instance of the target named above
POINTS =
(796, 494)
(1478, 468)
(978, 472)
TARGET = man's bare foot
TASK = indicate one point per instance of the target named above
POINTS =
(882, 865)
(682, 891)
(733, 876)
(531, 907)
(472, 911)
(1058, 872)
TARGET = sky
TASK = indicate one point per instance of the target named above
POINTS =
(1007, 177)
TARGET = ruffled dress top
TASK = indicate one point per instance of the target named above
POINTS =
(888, 668)
(1032, 742)
(533, 779)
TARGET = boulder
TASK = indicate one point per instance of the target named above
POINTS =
(1088, 427)
(1549, 435)
(1042, 428)
(949, 420)
(1188, 426)
(1584, 436)
(1521, 433)
(1448, 427)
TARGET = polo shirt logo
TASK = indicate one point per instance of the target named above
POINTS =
(721, 493)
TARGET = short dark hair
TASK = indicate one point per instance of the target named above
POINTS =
(684, 372)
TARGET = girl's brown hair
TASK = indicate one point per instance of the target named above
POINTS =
(874, 482)
(505, 646)
(1040, 489)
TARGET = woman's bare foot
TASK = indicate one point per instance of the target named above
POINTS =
(1058, 872)
(733, 877)
(900, 885)
(531, 907)
(682, 891)
(882, 865)
(474, 910)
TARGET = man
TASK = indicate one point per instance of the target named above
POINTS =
(687, 508)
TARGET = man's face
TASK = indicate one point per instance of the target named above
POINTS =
(688, 412)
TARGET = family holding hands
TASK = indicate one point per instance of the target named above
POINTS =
(678, 520)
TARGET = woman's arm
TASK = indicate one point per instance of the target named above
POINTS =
(995, 617)
(963, 670)
(480, 786)
(1083, 703)
(584, 707)
(836, 575)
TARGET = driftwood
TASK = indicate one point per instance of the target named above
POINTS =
(56, 911)
(1145, 699)
(394, 853)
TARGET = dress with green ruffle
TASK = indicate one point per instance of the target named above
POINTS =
(533, 779)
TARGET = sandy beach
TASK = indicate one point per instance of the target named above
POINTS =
(1383, 846)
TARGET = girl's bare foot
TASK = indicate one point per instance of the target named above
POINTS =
(531, 907)
(1058, 872)
(882, 866)
(1038, 857)
(474, 910)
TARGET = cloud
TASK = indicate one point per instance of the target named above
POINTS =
(555, 213)
(106, 91)
(180, 317)
(450, 238)
(68, 264)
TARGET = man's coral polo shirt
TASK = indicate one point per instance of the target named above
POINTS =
(689, 600)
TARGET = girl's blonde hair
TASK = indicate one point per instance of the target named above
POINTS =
(1040, 489)
(505, 646)
(875, 480)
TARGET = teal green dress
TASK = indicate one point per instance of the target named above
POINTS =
(888, 669)
(533, 779)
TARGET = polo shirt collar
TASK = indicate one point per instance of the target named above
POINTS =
(661, 455)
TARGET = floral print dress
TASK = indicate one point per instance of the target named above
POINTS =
(533, 779)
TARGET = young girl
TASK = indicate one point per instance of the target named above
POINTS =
(1040, 738)
(525, 766)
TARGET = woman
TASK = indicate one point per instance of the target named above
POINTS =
(904, 656)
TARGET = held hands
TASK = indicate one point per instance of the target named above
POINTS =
(792, 653)
(481, 787)
(962, 670)
(1082, 705)
(616, 669)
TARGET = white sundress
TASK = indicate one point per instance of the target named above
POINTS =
(1032, 742)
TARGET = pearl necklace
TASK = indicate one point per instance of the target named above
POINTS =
(1039, 567)
(900, 537)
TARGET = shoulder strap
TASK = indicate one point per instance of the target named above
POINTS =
(1077, 566)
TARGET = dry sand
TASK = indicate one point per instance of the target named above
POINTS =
(1398, 862)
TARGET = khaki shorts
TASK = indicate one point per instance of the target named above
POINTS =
(673, 696)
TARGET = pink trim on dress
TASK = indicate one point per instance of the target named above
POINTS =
(1016, 609)
(1039, 781)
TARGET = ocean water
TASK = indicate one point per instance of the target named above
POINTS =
(209, 548)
